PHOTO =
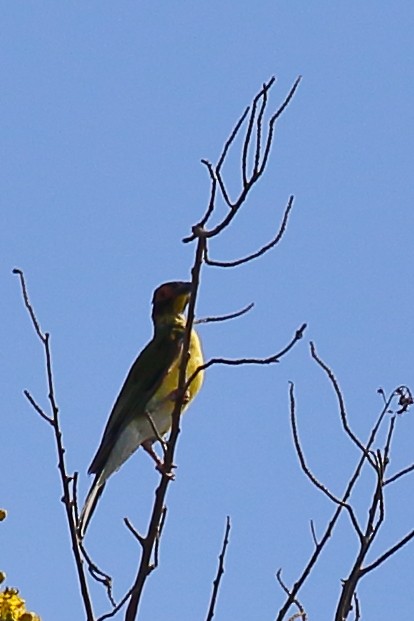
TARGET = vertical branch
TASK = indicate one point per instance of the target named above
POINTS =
(54, 420)
(220, 572)
(376, 517)
(149, 541)
(346, 495)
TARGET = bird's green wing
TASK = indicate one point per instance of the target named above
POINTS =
(143, 380)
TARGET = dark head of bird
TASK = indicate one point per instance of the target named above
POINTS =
(170, 299)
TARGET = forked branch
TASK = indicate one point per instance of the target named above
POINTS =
(53, 419)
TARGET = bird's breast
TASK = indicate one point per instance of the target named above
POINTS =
(163, 400)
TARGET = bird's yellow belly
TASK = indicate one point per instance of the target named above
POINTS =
(162, 403)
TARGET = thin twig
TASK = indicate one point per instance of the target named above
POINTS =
(118, 607)
(275, 358)
(38, 408)
(376, 517)
(386, 555)
(67, 499)
(134, 531)
(295, 601)
(399, 474)
(273, 120)
(331, 524)
(213, 190)
(220, 572)
(313, 531)
(28, 305)
(98, 574)
(342, 409)
(239, 313)
(259, 126)
(216, 177)
(262, 250)
(223, 156)
(307, 471)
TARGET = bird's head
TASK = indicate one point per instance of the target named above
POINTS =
(170, 300)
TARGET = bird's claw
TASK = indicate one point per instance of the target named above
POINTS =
(174, 395)
(161, 467)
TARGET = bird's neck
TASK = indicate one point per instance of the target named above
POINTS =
(169, 321)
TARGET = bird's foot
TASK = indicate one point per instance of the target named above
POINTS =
(161, 467)
(174, 395)
(159, 464)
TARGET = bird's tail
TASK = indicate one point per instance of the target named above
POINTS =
(91, 501)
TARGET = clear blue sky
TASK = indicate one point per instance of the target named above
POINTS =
(106, 110)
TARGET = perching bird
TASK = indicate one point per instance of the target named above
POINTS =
(147, 397)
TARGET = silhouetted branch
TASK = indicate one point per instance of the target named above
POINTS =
(341, 403)
(220, 572)
(399, 474)
(213, 190)
(301, 613)
(246, 361)
(38, 408)
(156, 519)
(239, 313)
(98, 574)
(314, 537)
(54, 421)
(345, 497)
(134, 531)
(376, 517)
(386, 555)
(260, 158)
(259, 252)
(310, 474)
(256, 148)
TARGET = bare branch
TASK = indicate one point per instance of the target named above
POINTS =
(357, 607)
(262, 95)
(259, 252)
(314, 537)
(98, 574)
(216, 177)
(295, 601)
(399, 474)
(118, 607)
(223, 156)
(331, 525)
(310, 474)
(381, 559)
(134, 531)
(212, 200)
(239, 313)
(341, 402)
(28, 305)
(220, 572)
(244, 361)
(37, 407)
(376, 516)
(54, 421)
(145, 566)
(272, 123)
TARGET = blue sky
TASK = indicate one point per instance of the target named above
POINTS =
(106, 110)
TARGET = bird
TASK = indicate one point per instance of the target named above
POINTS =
(142, 413)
